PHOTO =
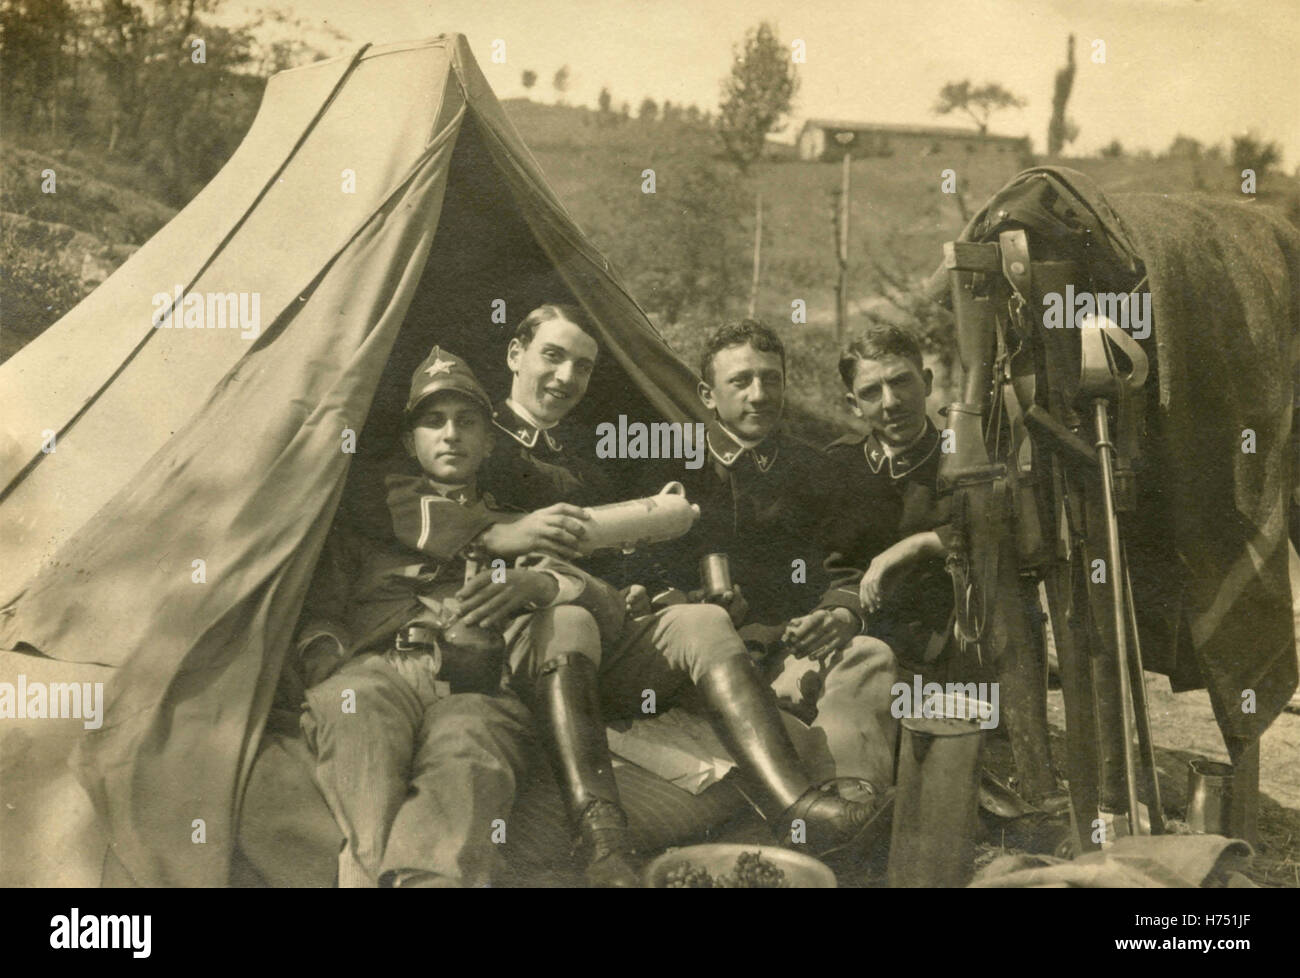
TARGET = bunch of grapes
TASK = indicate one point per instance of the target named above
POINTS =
(687, 876)
(752, 872)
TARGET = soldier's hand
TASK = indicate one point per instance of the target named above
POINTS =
(489, 603)
(320, 659)
(919, 546)
(737, 607)
(556, 531)
(820, 633)
(871, 592)
(637, 601)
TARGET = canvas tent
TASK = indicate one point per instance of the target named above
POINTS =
(173, 445)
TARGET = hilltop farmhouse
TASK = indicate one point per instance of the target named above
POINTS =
(827, 140)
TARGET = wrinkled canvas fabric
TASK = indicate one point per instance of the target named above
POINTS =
(176, 446)
(1135, 861)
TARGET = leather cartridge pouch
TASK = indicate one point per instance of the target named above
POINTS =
(469, 659)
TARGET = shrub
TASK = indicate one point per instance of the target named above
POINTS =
(35, 290)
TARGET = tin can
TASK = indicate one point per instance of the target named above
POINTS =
(1209, 796)
(715, 575)
(936, 807)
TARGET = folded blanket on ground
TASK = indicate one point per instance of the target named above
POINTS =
(1135, 861)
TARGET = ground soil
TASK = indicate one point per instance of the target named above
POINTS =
(1184, 728)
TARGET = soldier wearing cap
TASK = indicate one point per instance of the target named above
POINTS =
(417, 768)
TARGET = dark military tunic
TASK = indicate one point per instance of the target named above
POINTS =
(766, 507)
(530, 469)
(918, 600)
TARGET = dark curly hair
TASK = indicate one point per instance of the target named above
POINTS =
(747, 331)
(876, 342)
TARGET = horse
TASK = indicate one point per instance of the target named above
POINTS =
(1124, 439)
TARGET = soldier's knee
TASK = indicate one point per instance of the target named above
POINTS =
(483, 709)
(481, 724)
(864, 670)
(704, 636)
(701, 619)
(567, 629)
(349, 687)
(866, 650)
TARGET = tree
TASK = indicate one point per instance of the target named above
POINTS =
(1250, 152)
(756, 95)
(529, 78)
(1062, 130)
(1113, 150)
(1184, 148)
(560, 82)
(36, 39)
(605, 107)
(686, 250)
(978, 103)
(649, 110)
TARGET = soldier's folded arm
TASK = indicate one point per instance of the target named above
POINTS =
(858, 525)
(843, 591)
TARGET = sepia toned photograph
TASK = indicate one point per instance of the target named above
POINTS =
(589, 445)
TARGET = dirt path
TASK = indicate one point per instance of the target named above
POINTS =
(1184, 727)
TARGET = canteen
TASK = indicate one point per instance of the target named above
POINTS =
(636, 522)
(470, 658)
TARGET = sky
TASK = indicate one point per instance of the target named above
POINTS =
(1205, 68)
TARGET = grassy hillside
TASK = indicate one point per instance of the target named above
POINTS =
(55, 247)
(685, 250)
(898, 222)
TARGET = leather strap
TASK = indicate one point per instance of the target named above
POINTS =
(1014, 247)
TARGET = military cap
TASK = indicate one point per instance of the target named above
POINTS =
(444, 371)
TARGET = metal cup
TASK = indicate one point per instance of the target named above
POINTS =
(715, 576)
(1209, 796)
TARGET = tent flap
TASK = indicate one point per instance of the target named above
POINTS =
(175, 529)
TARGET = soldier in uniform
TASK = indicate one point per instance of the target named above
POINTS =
(903, 590)
(531, 465)
(414, 765)
(687, 649)
(771, 503)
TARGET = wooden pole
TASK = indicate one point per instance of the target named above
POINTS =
(842, 290)
(961, 205)
(758, 254)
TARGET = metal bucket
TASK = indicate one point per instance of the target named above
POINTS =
(936, 806)
(1209, 796)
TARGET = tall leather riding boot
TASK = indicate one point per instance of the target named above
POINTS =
(747, 721)
(568, 708)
